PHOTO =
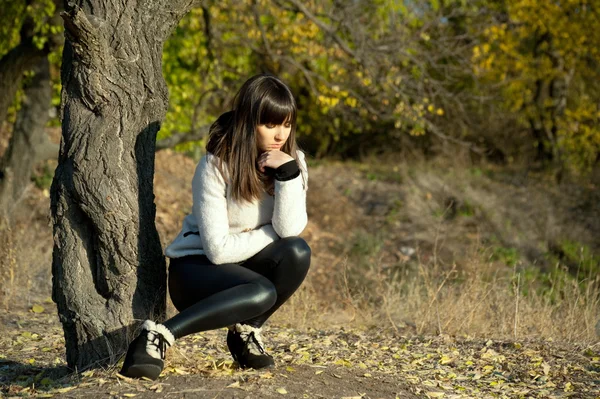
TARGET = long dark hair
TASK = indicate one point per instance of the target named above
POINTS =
(262, 99)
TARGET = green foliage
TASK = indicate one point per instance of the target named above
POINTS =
(11, 20)
(341, 95)
(394, 211)
(43, 177)
(38, 15)
(508, 256)
(544, 56)
(574, 253)
(574, 269)
(365, 245)
(16, 13)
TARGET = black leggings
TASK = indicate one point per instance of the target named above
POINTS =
(211, 296)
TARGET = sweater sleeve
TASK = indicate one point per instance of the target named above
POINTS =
(289, 212)
(210, 210)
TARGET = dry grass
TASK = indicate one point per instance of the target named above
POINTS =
(468, 275)
(363, 219)
(479, 300)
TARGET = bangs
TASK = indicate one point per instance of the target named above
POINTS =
(276, 108)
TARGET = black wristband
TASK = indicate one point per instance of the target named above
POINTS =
(287, 171)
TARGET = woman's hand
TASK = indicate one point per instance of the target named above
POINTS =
(272, 159)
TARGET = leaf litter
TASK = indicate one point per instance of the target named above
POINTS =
(352, 362)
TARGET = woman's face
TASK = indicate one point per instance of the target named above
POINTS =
(273, 137)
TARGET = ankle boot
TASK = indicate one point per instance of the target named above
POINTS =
(146, 354)
(246, 347)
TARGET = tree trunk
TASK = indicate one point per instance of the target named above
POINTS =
(29, 140)
(108, 269)
(12, 66)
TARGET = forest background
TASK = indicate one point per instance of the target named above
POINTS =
(455, 144)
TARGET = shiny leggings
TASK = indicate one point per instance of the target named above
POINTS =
(210, 296)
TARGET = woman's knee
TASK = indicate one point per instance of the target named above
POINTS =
(263, 296)
(297, 251)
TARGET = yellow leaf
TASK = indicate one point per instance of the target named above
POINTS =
(129, 395)
(445, 360)
(318, 372)
(435, 394)
(37, 309)
(281, 391)
(546, 368)
(568, 387)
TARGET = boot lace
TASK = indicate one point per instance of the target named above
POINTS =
(253, 341)
(156, 345)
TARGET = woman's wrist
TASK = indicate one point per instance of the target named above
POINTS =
(287, 171)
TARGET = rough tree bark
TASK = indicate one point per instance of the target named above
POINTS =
(29, 142)
(108, 270)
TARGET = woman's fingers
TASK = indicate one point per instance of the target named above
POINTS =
(272, 159)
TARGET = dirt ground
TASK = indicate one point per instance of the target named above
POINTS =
(337, 363)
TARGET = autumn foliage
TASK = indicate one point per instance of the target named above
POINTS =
(516, 79)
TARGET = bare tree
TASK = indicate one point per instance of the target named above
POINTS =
(108, 268)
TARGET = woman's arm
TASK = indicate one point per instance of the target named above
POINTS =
(210, 210)
(289, 213)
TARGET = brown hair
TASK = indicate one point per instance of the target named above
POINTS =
(262, 99)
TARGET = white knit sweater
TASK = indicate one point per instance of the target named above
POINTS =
(229, 231)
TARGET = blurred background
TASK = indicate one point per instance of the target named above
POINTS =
(453, 146)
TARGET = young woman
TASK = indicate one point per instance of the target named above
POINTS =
(238, 257)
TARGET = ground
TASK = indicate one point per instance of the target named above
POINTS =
(340, 363)
(399, 218)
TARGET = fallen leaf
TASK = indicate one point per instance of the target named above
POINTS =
(568, 387)
(37, 309)
(281, 391)
(435, 394)
(546, 368)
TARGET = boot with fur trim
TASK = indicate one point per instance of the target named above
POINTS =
(146, 354)
(246, 346)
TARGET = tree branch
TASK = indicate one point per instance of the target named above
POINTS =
(179, 138)
(326, 28)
